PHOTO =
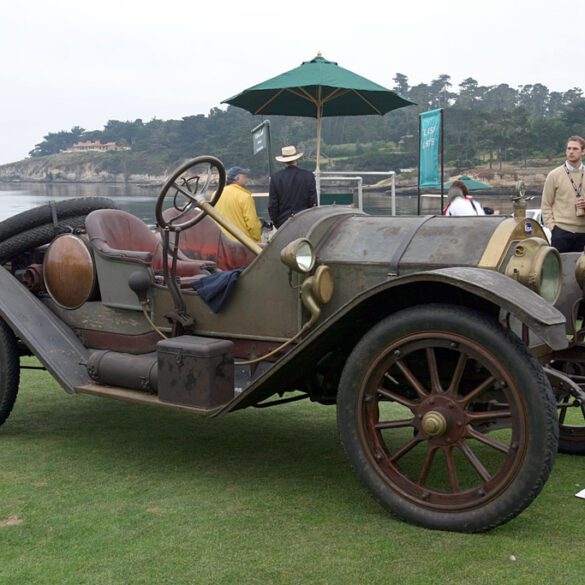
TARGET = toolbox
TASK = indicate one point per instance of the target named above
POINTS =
(195, 371)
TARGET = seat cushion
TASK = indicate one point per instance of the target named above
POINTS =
(206, 241)
(119, 234)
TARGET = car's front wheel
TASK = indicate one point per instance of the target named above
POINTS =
(447, 418)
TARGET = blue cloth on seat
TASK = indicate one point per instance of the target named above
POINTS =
(215, 289)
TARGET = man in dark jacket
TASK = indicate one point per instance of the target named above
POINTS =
(291, 189)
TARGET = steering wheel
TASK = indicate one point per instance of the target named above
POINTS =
(201, 178)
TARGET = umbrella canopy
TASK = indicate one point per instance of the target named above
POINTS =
(316, 89)
(470, 183)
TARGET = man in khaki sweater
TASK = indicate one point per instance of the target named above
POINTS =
(563, 200)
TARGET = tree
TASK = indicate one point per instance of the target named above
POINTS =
(469, 94)
(401, 86)
(498, 121)
(549, 136)
(500, 98)
(439, 89)
(55, 142)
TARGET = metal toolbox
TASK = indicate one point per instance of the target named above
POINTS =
(196, 371)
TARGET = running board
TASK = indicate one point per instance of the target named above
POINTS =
(141, 398)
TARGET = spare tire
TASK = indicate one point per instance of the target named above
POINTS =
(43, 214)
(37, 236)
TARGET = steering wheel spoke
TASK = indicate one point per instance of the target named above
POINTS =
(201, 177)
(183, 212)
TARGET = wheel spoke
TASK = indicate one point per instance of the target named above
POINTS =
(482, 438)
(452, 469)
(488, 415)
(426, 468)
(433, 370)
(563, 408)
(457, 375)
(475, 462)
(478, 391)
(405, 449)
(394, 424)
(412, 379)
(396, 398)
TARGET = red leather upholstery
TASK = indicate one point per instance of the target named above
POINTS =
(206, 241)
(119, 234)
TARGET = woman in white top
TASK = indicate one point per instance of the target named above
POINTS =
(461, 202)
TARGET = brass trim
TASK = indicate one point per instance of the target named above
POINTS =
(507, 231)
(434, 424)
(323, 284)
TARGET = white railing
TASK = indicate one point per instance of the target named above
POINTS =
(358, 177)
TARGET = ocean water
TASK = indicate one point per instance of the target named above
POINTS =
(140, 200)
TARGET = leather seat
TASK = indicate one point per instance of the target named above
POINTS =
(206, 241)
(121, 235)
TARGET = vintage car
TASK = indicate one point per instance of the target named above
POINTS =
(436, 338)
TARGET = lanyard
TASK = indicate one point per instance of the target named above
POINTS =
(575, 188)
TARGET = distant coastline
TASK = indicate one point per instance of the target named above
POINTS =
(102, 169)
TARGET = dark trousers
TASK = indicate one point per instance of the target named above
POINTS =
(565, 241)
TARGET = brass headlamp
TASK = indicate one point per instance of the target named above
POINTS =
(538, 267)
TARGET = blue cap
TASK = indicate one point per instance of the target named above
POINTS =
(233, 172)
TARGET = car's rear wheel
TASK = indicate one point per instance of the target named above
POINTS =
(9, 370)
(447, 418)
(572, 414)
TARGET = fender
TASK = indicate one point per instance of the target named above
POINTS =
(493, 287)
(530, 308)
(55, 344)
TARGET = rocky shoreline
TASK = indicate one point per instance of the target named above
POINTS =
(96, 169)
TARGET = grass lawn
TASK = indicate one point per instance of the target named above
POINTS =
(100, 492)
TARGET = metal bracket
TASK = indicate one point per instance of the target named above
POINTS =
(561, 383)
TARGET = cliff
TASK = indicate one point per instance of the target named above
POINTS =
(87, 167)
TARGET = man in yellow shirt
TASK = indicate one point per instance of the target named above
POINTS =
(237, 204)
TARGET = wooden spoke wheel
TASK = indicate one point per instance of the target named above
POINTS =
(447, 418)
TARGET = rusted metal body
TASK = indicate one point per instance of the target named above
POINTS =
(196, 371)
(423, 330)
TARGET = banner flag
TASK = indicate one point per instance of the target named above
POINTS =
(260, 139)
(429, 170)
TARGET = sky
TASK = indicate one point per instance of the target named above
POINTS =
(68, 63)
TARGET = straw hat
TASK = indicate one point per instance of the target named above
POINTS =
(289, 153)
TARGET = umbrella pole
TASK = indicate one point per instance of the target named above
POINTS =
(318, 137)
(317, 168)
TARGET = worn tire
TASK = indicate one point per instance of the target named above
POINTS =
(37, 236)
(423, 346)
(9, 370)
(43, 214)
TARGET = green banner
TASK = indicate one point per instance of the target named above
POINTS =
(429, 172)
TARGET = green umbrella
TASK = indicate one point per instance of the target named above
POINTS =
(316, 89)
(470, 183)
